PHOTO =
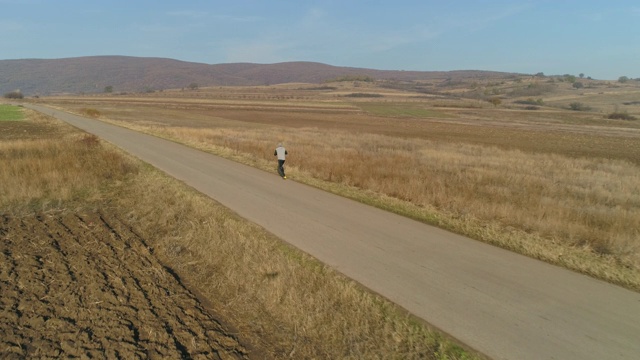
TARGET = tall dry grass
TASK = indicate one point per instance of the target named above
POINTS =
(296, 307)
(41, 174)
(580, 213)
(281, 300)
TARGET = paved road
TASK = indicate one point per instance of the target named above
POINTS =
(502, 304)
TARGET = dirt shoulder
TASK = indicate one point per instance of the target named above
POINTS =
(85, 285)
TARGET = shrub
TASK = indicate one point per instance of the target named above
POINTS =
(578, 106)
(620, 116)
(533, 90)
(91, 112)
(495, 101)
(363, 95)
(17, 94)
(364, 78)
(90, 141)
(529, 102)
(320, 88)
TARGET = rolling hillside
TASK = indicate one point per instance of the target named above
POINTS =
(133, 74)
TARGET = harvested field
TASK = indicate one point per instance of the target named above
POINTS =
(84, 285)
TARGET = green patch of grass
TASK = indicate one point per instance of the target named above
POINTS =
(402, 110)
(11, 113)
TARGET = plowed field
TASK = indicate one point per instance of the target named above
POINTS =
(85, 285)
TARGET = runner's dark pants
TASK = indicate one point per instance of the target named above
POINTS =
(281, 167)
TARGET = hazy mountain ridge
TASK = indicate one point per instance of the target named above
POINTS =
(93, 74)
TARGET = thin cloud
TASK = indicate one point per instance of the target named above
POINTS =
(477, 21)
(188, 14)
(314, 21)
(317, 31)
(168, 30)
(595, 17)
(154, 28)
(266, 51)
(438, 27)
(10, 26)
(314, 15)
(415, 34)
(237, 19)
(20, 2)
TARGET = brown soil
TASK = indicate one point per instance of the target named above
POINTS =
(85, 285)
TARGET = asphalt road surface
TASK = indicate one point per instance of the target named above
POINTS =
(504, 305)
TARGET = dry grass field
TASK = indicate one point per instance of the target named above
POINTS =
(105, 257)
(543, 180)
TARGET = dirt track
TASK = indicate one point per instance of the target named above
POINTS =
(85, 285)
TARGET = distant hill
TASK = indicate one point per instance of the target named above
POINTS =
(134, 74)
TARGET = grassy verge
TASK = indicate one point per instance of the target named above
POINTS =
(287, 301)
(280, 299)
(10, 113)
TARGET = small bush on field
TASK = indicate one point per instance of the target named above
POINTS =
(621, 116)
(495, 101)
(531, 108)
(91, 112)
(320, 88)
(347, 78)
(90, 141)
(532, 90)
(363, 95)
(578, 106)
(14, 95)
(529, 102)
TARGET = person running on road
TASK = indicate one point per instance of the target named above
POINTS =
(281, 153)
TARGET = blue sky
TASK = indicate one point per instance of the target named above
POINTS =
(600, 39)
